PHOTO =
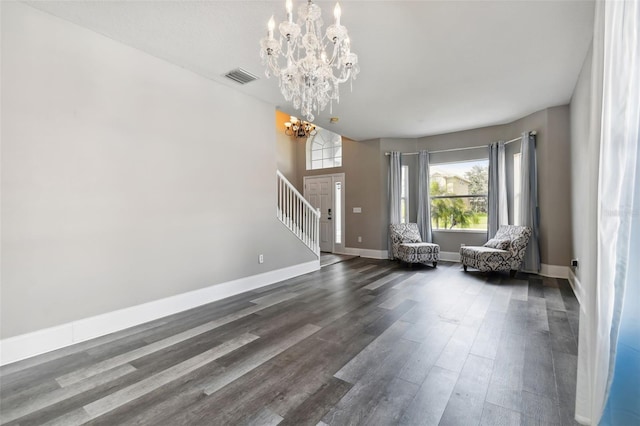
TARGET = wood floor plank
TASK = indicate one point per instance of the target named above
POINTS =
(373, 354)
(565, 368)
(431, 399)
(540, 408)
(536, 289)
(356, 405)
(388, 318)
(468, 397)
(272, 299)
(307, 367)
(495, 415)
(488, 337)
(553, 298)
(397, 396)
(455, 353)
(382, 281)
(50, 398)
(538, 376)
(561, 335)
(505, 387)
(428, 352)
(244, 366)
(520, 290)
(264, 417)
(318, 404)
(406, 281)
(75, 417)
(537, 320)
(159, 405)
(123, 396)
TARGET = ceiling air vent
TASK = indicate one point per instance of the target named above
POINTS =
(241, 76)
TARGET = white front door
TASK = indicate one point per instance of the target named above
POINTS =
(319, 192)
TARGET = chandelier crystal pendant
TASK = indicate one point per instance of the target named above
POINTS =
(299, 128)
(309, 66)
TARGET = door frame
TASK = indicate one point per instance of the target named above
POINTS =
(335, 177)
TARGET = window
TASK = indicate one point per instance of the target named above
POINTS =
(324, 150)
(404, 196)
(517, 188)
(459, 195)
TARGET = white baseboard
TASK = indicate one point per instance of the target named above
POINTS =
(368, 253)
(450, 256)
(27, 345)
(577, 287)
(554, 271)
(582, 420)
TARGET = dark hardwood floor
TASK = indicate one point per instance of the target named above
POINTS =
(358, 342)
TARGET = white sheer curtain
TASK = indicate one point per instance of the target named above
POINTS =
(424, 201)
(395, 191)
(529, 201)
(616, 78)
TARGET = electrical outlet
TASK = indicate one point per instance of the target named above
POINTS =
(359, 239)
(574, 263)
(261, 258)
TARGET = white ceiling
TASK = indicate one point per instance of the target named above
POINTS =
(427, 67)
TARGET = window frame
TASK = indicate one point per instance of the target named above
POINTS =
(485, 196)
(328, 154)
(404, 194)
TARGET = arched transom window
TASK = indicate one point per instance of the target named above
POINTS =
(324, 150)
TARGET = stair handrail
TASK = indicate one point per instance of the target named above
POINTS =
(295, 191)
(298, 214)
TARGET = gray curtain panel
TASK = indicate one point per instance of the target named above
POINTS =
(529, 215)
(395, 188)
(424, 202)
(493, 199)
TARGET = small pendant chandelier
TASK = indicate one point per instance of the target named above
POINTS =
(299, 128)
(309, 74)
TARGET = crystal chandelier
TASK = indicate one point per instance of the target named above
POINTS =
(308, 74)
(299, 128)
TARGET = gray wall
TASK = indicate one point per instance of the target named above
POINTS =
(124, 178)
(286, 149)
(585, 157)
(366, 168)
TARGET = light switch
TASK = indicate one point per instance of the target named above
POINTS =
(357, 209)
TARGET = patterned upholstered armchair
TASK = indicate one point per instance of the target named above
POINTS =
(503, 252)
(407, 245)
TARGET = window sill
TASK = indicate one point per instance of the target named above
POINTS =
(464, 231)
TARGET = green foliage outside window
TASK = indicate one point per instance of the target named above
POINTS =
(452, 211)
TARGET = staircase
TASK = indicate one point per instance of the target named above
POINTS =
(297, 214)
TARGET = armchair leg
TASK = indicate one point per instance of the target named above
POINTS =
(435, 264)
(465, 267)
(512, 273)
